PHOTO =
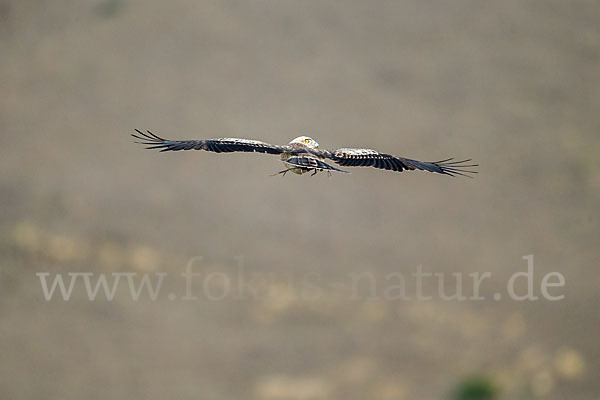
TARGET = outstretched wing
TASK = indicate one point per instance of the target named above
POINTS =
(222, 145)
(372, 158)
(311, 163)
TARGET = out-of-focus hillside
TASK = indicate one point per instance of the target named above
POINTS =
(514, 85)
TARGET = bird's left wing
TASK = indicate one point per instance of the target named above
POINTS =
(222, 145)
(371, 158)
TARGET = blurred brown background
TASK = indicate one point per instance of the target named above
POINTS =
(513, 84)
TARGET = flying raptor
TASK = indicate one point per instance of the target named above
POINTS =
(303, 155)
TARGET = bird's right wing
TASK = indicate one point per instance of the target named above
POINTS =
(222, 145)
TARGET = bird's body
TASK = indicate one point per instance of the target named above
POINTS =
(303, 155)
(290, 167)
(299, 160)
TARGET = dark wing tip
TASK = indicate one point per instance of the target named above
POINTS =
(151, 140)
(148, 136)
(453, 168)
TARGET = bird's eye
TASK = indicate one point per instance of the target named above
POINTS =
(306, 140)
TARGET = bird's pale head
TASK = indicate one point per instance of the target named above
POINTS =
(306, 141)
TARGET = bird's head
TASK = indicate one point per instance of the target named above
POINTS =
(306, 141)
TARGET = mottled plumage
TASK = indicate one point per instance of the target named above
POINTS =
(303, 155)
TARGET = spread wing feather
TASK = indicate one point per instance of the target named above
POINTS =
(371, 158)
(222, 145)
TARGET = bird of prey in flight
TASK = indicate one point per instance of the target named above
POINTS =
(303, 155)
